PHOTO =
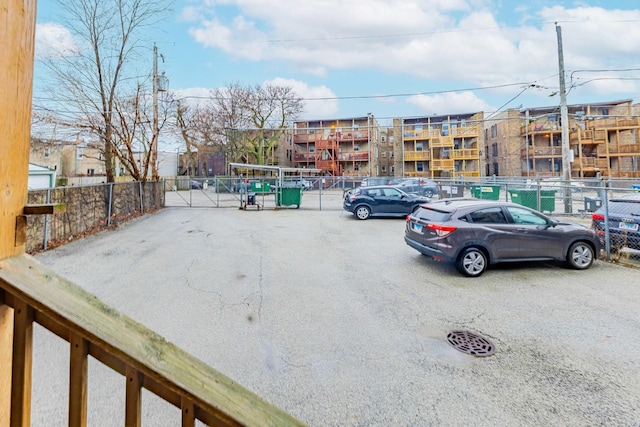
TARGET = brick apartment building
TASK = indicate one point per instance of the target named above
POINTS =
(340, 147)
(603, 138)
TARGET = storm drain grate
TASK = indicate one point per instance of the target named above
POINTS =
(470, 343)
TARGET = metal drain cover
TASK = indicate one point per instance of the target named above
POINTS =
(470, 343)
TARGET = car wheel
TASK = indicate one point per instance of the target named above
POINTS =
(428, 193)
(472, 262)
(363, 212)
(580, 256)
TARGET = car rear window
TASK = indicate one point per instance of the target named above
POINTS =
(432, 215)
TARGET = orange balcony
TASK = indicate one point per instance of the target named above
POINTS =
(416, 155)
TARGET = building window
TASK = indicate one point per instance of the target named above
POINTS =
(356, 148)
(47, 151)
(391, 139)
(494, 131)
(418, 146)
(392, 169)
(312, 149)
(605, 111)
(384, 169)
(383, 154)
(496, 171)
(494, 149)
(90, 172)
(391, 155)
(420, 167)
(79, 153)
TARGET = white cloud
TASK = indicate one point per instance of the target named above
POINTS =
(434, 40)
(448, 103)
(320, 101)
(54, 41)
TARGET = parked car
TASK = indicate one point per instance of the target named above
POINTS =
(623, 221)
(421, 186)
(295, 182)
(475, 233)
(381, 200)
(379, 180)
(196, 185)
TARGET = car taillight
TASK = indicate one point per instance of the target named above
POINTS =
(597, 217)
(441, 230)
(352, 197)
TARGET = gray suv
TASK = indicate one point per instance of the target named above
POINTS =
(475, 233)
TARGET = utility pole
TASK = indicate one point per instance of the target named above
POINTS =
(564, 118)
(154, 134)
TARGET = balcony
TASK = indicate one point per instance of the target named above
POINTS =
(302, 138)
(465, 154)
(442, 164)
(446, 142)
(355, 156)
(422, 133)
(326, 144)
(31, 293)
(410, 156)
(304, 157)
(633, 149)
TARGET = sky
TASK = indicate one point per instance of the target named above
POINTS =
(401, 58)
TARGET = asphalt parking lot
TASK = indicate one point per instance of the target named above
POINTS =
(340, 323)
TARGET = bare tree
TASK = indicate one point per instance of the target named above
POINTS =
(103, 69)
(133, 142)
(270, 109)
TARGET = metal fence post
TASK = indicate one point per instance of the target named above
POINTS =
(46, 222)
(110, 202)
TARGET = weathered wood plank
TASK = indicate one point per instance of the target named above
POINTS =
(78, 371)
(21, 363)
(217, 399)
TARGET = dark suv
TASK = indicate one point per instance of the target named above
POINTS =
(474, 233)
(421, 186)
(381, 200)
(623, 219)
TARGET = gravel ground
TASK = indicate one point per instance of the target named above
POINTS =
(340, 323)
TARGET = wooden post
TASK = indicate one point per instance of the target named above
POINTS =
(17, 35)
(17, 38)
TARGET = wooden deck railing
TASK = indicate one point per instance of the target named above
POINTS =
(31, 293)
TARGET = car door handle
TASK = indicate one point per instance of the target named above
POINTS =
(521, 230)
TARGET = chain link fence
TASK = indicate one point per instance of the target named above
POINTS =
(610, 206)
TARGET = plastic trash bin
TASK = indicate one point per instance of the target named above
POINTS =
(446, 191)
(487, 192)
(592, 204)
(636, 187)
(289, 196)
(260, 187)
(529, 198)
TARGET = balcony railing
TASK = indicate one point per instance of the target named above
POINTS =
(465, 153)
(31, 293)
(354, 156)
(442, 164)
(410, 156)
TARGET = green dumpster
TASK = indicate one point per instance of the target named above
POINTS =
(260, 187)
(487, 192)
(529, 197)
(289, 196)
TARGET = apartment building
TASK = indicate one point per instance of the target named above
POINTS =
(446, 146)
(339, 147)
(603, 139)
